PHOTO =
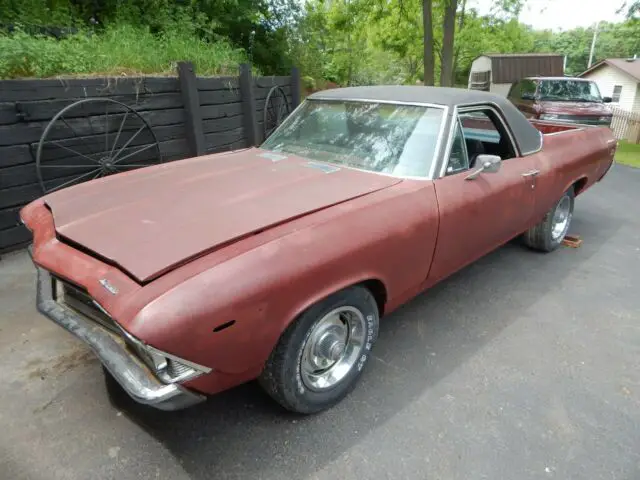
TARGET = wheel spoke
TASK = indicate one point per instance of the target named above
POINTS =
(75, 134)
(146, 147)
(106, 127)
(115, 142)
(75, 152)
(139, 165)
(74, 180)
(113, 159)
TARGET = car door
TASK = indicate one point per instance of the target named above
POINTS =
(478, 215)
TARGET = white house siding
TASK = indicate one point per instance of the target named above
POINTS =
(607, 77)
(636, 104)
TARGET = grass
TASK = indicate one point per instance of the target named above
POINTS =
(628, 154)
(121, 50)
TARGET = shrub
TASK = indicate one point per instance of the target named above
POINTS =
(117, 50)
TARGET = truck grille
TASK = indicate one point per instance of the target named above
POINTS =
(585, 119)
(78, 299)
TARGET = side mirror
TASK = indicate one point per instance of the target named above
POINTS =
(607, 99)
(487, 164)
(528, 96)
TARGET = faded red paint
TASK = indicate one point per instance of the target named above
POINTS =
(289, 251)
(534, 108)
(148, 221)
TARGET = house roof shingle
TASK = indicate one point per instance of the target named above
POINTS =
(629, 66)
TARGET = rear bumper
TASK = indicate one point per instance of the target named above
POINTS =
(134, 377)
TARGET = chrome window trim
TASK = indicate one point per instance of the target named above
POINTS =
(447, 151)
(464, 146)
(371, 100)
(437, 149)
(471, 107)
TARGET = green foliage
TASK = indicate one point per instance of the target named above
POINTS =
(261, 28)
(119, 50)
(62, 13)
(615, 40)
(628, 154)
(349, 42)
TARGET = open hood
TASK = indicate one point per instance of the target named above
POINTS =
(150, 220)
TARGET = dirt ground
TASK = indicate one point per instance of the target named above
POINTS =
(522, 366)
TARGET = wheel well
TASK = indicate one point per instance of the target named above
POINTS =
(379, 292)
(579, 185)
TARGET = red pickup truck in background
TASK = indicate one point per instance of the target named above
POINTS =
(561, 99)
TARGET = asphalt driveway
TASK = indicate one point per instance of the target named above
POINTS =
(521, 366)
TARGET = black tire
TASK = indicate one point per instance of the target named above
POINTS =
(541, 236)
(282, 376)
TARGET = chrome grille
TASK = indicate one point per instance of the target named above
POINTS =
(176, 369)
(79, 300)
(585, 119)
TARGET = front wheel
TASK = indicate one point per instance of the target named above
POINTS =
(320, 357)
(548, 235)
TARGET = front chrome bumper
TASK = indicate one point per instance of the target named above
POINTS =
(131, 373)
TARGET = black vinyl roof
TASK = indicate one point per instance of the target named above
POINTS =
(527, 137)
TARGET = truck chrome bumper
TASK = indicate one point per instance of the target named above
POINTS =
(132, 374)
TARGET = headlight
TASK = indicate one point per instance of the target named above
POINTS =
(548, 116)
(168, 368)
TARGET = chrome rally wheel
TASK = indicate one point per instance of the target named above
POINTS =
(322, 354)
(548, 235)
(333, 348)
(561, 218)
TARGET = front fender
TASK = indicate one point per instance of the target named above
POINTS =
(389, 236)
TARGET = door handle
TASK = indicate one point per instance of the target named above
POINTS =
(531, 173)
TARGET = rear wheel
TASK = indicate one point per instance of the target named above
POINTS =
(320, 357)
(548, 235)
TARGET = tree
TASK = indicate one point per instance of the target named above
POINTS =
(427, 25)
(632, 9)
(448, 37)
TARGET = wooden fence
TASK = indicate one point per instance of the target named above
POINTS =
(626, 125)
(189, 115)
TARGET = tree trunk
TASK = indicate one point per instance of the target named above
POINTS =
(457, 50)
(427, 23)
(448, 33)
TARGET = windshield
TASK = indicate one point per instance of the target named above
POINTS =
(569, 91)
(399, 140)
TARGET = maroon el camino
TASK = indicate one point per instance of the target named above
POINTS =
(276, 263)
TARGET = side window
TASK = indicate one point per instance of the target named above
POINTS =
(458, 159)
(617, 92)
(528, 89)
(484, 133)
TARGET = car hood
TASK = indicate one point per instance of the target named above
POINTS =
(575, 108)
(150, 220)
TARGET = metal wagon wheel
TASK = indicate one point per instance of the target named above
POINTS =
(92, 138)
(276, 109)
